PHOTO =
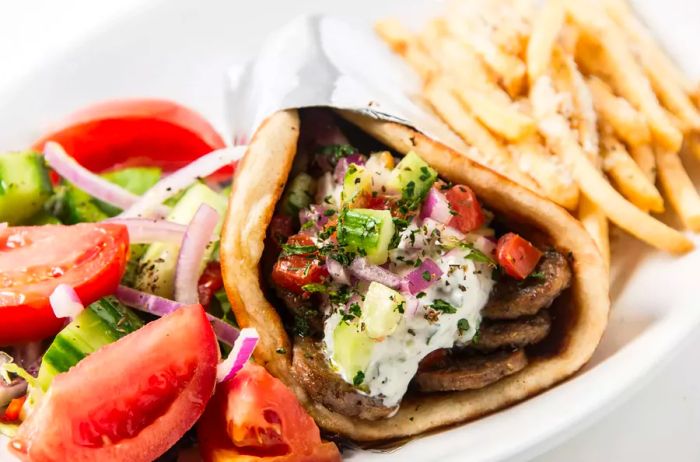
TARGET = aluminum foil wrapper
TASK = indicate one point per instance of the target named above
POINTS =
(324, 61)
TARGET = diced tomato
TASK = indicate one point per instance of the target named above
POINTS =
(379, 202)
(254, 417)
(468, 214)
(130, 132)
(517, 256)
(89, 257)
(292, 272)
(130, 400)
(14, 409)
(281, 227)
(210, 282)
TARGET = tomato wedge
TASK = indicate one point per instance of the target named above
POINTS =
(89, 257)
(254, 417)
(130, 400)
(131, 132)
(468, 214)
(517, 256)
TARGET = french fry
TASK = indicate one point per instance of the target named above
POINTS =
(489, 151)
(678, 188)
(595, 222)
(546, 27)
(509, 69)
(693, 144)
(627, 76)
(643, 156)
(552, 177)
(593, 185)
(659, 61)
(402, 42)
(624, 119)
(673, 97)
(628, 177)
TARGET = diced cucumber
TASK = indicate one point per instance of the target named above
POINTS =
(101, 323)
(368, 232)
(381, 310)
(43, 218)
(352, 348)
(136, 180)
(356, 185)
(79, 206)
(299, 194)
(156, 270)
(413, 177)
(24, 186)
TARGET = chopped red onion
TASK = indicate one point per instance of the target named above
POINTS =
(423, 277)
(65, 302)
(341, 167)
(199, 234)
(149, 203)
(315, 214)
(485, 245)
(93, 184)
(160, 306)
(147, 231)
(436, 207)
(240, 354)
(337, 272)
(363, 270)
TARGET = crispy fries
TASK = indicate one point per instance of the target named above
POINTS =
(678, 188)
(572, 99)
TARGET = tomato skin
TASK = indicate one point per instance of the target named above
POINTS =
(35, 259)
(157, 385)
(132, 132)
(292, 272)
(210, 282)
(254, 417)
(517, 256)
(14, 409)
(468, 213)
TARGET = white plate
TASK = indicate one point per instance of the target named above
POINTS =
(180, 49)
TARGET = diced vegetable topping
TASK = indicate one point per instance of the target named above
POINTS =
(368, 232)
(517, 256)
(299, 194)
(413, 178)
(352, 348)
(382, 310)
(357, 185)
(24, 186)
(467, 213)
(424, 276)
(298, 265)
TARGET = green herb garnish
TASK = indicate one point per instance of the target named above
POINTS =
(443, 307)
(463, 326)
(358, 379)
(293, 249)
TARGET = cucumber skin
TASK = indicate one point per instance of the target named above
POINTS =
(25, 186)
(413, 169)
(101, 323)
(136, 180)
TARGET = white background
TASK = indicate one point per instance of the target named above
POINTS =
(661, 422)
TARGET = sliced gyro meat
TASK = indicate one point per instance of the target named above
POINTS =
(494, 335)
(512, 299)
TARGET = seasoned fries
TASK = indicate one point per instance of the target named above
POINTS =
(573, 100)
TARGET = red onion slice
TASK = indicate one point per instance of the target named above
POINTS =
(341, 168)
(199, 234)
(148, 204)
(65, 302)
(240, 354)
(93, 184)
(160, 306)
(337, 272)
(147, 231)
(436, 207)
(423, 277)
(363, 270)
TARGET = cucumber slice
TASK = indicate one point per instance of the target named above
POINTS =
(43, 218)
(80, 207)
(101, 323)
(136, 180)
(298, 195)
(156, 271)
(368, 232)
(356, 185)
(24, 186)
(352, 349)
(414, 178)
(381, 310)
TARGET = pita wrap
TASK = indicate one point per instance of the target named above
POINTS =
(259, 182)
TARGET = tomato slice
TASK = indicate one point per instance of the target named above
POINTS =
(468, 214)
(255, 417)
(89, 257)
(14, 409)
(292, 272)
(517, 256)
(130, 400)
(132, 132)
(210, 282)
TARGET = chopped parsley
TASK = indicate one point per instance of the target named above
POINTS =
(315, 288)
(443, 307)
(420, 295)
(329, 213)
(427, 276)
(425, 174)
(335, 152)
(308, 225)
(354, 311)
(358, 379)
(537, 275)
(401, 307)
(476, 254)
(463, 326)
(293, 249)
(301, 326)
